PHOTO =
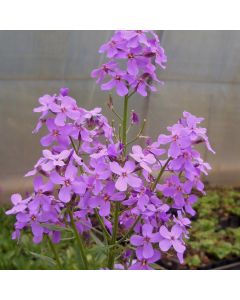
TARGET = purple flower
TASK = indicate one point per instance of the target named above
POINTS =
(19, 204)
(134, 37)
(175, 189)
(41, 197)
(141, 85)
(139, 198)
(156, 50)
(53, 160)
(103, 200)
(112, 47)
(143, 160)
(118, 81)
(56, 134)
(101, 73)
(25, 219)
(189, 201)
(66, 108)
(135, 60)
(185, 161)
(134, 117)
(171, 239)
(140, 50)
(153, 148)
(145, 240)
(143, 263)
(46, 101)
(40, 123)
(179, 140)
(197, 134)
(125, 175)
(68, 183)
(100, 173)
(64, 91)
(182, 221)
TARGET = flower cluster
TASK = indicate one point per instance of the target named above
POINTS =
(134, 56)
(138, 201)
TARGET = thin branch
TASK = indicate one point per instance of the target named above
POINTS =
(130, 231)
(73, 144)
(160, 174)
(139, 133)
(54, 251)
(106, 233)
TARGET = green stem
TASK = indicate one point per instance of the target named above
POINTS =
(105, 232)
(79, 240)
(76, 150)
(54, 251)
(139, 133)
(117, 115)
(73, 145)
(124, 123)
(111, 257)
(130, 231)
(160, 174)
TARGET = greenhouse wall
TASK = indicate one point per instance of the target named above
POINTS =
(202, 76)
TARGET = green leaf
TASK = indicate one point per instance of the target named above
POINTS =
(96, 239)
(193, 261)
(222, 249)
(56, 227)
(43, 258)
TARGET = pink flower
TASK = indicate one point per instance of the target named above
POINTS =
(117, 81)
(171, 239)
(145, 240)
(125, 175)
(142, 159)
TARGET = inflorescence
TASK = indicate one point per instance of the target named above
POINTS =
(90, 178)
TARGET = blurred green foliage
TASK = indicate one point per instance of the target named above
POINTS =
(215, 233)
(25, 255)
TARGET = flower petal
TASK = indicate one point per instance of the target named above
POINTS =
(133, 181)
(164, 232)
(147, 230)
(115, 168)
(147, 250)
(121, 184)
(178, 246)
(65, 194)
(136, 240)
(165, 245)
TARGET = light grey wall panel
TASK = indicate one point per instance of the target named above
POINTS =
(202, 76)
(208, 56)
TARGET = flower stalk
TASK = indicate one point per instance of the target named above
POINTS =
(111, 257)
(79, 240)
(54, 251)
(160, 174)
(100, 221)
(124, 123)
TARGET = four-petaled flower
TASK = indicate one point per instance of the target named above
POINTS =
(68, 183)
(103, 200)
(53, 160)
(119, 81)
(126, 176)
(144, 160)
(145, 240)
(171, 239)
(144, 263)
